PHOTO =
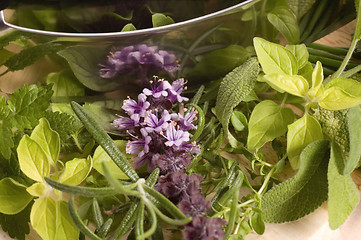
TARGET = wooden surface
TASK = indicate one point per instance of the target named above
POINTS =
(312, 227)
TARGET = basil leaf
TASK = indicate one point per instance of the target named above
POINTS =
(300, 134)
(84, 62)
(317, 90)
(335, 98)
(51, 220)
(100, 157)
(48, 139)
(76, 171)
(295, 85)
(350, 86)
(300, 52)
(343, 195)
(274, 58)
(354, 129)
(13, 196)
(268, 121)
(300, 7)
(65, 84)
(306, 72)
(303, 193)
(159, 19)
(284, 20)
(234, 88)
(32, 159)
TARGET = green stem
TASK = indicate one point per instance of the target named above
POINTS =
(333, 50)
(266, 181)
(351, 72)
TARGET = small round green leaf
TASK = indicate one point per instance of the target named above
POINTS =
(76, 171)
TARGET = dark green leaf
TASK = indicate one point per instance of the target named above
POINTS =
(6, 139)
(84, 62)
(343, 195)
(11, 36)
(303, 193)
(300, 7)
(30, 55)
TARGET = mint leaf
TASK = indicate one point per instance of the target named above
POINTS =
(268, 121)
(235, 87)
(64, 124)
(30, 55)
(303, 193)
(17, 226)
(343, 195)
(84, 62)
(28, 105)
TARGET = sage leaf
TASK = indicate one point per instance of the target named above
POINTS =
(159, 19)
(84, 62)
(13, 196)
(51, 220)
(354, 129)
(295, 85)
(275, 58)
(285, 21)
(48, 139)
(33, 160)
(335, 98)
(343, 195)
(300, 134)
(234, 88)
(303, 193)
(300, 52)
(268, 121)
(76, 171)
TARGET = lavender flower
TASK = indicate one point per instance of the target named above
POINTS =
(154, 124)
(196, 205)
(133, 107)
(175, 137)
(202, 228)
(170, 161)
(176, 90)
(140, 146)
(158, 88)
(186, 122)
(138, 59)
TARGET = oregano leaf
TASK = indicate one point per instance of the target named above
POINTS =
(343, 195)
(234, 88)
(303, 193)
(268, 121)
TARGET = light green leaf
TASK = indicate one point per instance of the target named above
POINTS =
(350, 86)
(317, 89)
(32, 159)
(13, 196)
(300, 7)
(238, 120)
(303, 193)
(84, 62)
(159, 19)
(306, 72)
(76, 171)
(128, 27)
(295, 85)
(274, 58)
(268, 121)
(354, 129)
(300, 134)
(51, 220)
(5, 55)
(300, 52)
(48, 139)
(235, 87)
(65, 84)
(335, 98)
(101, 156)
(37, 189)
(343, 195)
(285, 21)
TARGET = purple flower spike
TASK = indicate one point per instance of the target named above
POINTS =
(133, 107)
(124, 123)
(175, 137)
(176, 90)
(196, 205)
(202, 228)
(158, 88)
(155, 125)
(140, 146)
(186, 122)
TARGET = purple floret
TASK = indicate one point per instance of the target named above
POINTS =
(202, 228)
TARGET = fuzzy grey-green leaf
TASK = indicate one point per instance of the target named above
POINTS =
(234, 88)
(303, 193)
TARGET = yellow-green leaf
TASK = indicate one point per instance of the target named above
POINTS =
(48, 139)
(101, 156)
(295, 85)
(51, 220)
(76, 171)
(335, 98)
(37, 189)
(300, 134)
(33, 160)
(317, 90)
(300, 52)
(13, 196)
(350, 86)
